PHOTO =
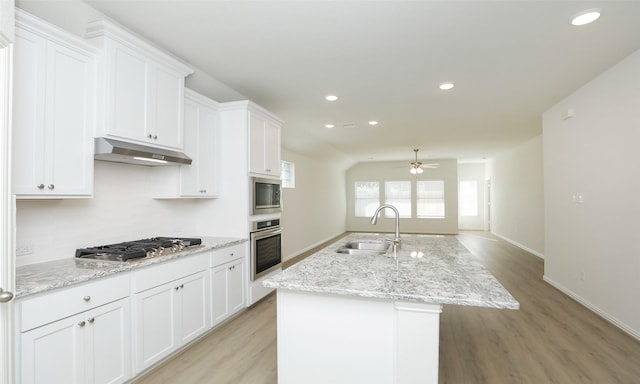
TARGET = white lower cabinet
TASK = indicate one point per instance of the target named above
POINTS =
(172, 314)
(228, 282)
(89, 347)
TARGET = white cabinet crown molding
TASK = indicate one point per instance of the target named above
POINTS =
(199, 98)
(250, 105)
(105, 28)
(37, 26)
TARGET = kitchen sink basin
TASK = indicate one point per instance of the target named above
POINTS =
(364, 247)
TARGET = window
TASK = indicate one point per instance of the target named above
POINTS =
(398, 194)
(468, 198)
(288, 174)
(430, 198)
(367, 198)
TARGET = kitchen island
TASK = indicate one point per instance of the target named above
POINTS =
(374, 318)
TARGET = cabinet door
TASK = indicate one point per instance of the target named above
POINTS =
(208, 152)
(166, 98)
(28, 112)
(109, 344)
(236, 286)
(155, 323)
(256, 143)
(193, 307)
(200, 179)
(126, 109)
(219, 293)
(189, 175)
(69, 122)
(54, 353)
(272, 148)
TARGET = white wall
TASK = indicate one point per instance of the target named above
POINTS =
(315, 209)
(397, 171)
(592, 252)
(517, 195)
(474, 172)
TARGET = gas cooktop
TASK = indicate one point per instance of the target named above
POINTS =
(137, 249)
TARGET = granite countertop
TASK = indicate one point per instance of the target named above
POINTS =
(41, 277)
(435, 269)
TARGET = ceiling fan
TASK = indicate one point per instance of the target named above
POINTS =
(416, 166)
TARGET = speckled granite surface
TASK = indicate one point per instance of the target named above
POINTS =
(426, 268)
(41, 277)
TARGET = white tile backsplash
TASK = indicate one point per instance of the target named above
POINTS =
(122, 209)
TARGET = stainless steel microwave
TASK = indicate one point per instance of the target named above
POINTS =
(265, 196)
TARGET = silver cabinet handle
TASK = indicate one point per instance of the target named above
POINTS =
(82, 323)
(40, 186)
(5, 296)
(91, 320)
(268, 170)
(51, 187)
(86, 298)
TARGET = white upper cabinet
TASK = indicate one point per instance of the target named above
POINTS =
(53, 111)
(202, 144)
(264, 143)
(141, 89)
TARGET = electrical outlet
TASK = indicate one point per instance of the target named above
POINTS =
(25, 249)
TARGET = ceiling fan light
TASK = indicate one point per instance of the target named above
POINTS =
(419, 170)
(413, 171)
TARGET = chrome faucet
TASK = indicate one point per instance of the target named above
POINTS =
(374, 220)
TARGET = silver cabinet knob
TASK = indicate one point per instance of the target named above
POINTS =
(51, 187)
(91, 320)
(150, 136)
(82, 323)
(176, 288)
(231, 254)
(155, 137)
(181, 285)
(5, 296)
(86, 298)
(40, 186)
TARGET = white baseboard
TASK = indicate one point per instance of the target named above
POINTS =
(524, 247)
(627, 329)
(303, 250)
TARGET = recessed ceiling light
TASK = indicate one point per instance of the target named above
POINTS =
(373, 122)
(331, 98)
(586, 17)
(446, 86)
(329, 125)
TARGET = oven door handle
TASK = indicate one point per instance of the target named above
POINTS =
(266, 233)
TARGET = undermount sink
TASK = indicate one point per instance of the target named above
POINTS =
(364, 247)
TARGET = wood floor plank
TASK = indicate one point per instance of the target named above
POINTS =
(551, 339)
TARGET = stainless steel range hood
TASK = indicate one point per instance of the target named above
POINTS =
(138, 154)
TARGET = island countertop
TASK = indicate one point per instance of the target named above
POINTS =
(435, 269)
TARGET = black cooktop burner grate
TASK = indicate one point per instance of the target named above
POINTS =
(134, 249)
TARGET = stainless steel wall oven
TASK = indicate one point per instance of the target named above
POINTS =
(266, 247)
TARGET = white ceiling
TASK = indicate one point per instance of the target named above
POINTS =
(510, 61)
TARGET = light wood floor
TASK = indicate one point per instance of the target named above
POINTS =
(551, 339)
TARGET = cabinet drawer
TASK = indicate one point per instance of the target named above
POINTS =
(64, 302)
(224, 255)
(163, 273)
